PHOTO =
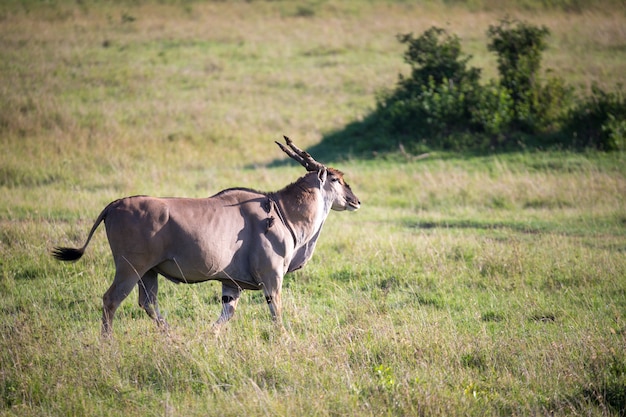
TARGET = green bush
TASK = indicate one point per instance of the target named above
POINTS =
(436, 55)
(434, 110)
(519, 47)
(435, 103)
(442, 104)
(494, 111)
(599, 121)
(538, 107)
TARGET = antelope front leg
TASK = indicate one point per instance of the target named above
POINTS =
(274, 302)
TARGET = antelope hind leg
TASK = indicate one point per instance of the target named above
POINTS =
(148, 291)
(230, 298)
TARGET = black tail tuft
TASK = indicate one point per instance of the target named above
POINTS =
(67, 254)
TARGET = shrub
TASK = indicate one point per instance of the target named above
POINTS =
(519, 47)
(433, 110)
(537, 107)
(436, 55)
(435, 102)
(599, 121)
(494, 110)
(442, 104)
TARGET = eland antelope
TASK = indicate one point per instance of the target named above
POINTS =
(243, 238)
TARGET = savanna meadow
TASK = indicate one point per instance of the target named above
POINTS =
(485, 280)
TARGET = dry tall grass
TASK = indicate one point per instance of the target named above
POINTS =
(465, 286)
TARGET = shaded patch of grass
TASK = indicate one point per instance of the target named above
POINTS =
(574, 227)
(543, 317)
(492, 316)
(475, 359)
(523, 227)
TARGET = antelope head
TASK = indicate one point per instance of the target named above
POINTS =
(332, 184)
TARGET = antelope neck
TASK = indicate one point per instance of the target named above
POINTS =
(305, 217)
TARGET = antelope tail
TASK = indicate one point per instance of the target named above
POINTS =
(68, 254)
(74, 254)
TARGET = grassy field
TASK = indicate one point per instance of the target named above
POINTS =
(483, 285)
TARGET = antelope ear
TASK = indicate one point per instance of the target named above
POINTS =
(322, 174)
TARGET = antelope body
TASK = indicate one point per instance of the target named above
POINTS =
(244, 238)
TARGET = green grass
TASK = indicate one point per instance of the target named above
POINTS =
(466, 285)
